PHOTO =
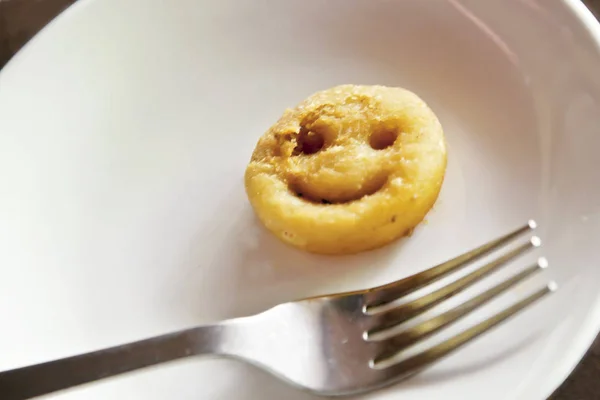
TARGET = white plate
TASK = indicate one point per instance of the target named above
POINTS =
(125, 128)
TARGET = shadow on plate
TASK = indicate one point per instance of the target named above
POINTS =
(487, 359)
(253, 270)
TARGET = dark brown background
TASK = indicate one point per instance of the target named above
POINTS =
(21, 19)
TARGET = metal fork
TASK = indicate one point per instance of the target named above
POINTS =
(331, 345)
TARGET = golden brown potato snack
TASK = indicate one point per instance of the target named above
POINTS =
(349, 169)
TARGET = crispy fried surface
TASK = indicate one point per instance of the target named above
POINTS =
(349, 169)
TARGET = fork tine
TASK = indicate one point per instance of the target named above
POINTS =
(422, 360)
(404, 312)
(384, 294)
(397, 343)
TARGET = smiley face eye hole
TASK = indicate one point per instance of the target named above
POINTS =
(308, 142)
(382, 138)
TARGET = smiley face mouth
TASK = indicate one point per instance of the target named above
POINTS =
(320, 191)
(342, 176)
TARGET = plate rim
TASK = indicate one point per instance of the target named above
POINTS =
(580, 348)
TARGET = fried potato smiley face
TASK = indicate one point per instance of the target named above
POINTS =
(349, 169)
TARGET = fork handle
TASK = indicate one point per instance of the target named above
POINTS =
(48, 377)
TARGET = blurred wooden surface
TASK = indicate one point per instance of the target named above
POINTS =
(21, 19)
